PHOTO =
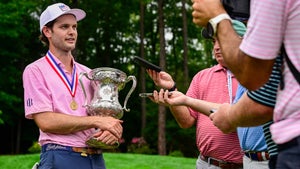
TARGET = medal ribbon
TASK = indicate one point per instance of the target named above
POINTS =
(70, 85)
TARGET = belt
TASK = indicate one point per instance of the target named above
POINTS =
(220, 163)
(258, 156)
(84, 151)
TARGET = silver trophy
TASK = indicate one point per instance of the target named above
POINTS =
(106, 82)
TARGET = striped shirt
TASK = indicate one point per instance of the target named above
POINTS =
(212, 85)
(266, 95)
(251, 138)
(272, 23)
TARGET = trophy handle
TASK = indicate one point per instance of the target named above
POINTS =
(83, 88)
(130, 91)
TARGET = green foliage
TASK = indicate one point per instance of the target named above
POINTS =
(108, 36)
(176, 153)
(145, 149)
(17, 39)
(1, 121)
(139, 145)
(35, 148)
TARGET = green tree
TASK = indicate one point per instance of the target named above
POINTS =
(18, 45)
(109, 36)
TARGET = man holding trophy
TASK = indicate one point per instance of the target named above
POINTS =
(54, 100)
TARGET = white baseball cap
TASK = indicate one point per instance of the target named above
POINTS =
(56, 10)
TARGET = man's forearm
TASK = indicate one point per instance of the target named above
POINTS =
(182, 116)
(246, 113)
(250, 72)
(202, 106)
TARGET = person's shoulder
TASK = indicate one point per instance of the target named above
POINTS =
(35, 67)
(81, 66)
(36, 64)
(212, 69)
(205, 73)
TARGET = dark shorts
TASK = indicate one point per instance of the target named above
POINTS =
(64, 159)
(289, 154)
(272, 162)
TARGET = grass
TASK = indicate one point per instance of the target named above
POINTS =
(113, 161)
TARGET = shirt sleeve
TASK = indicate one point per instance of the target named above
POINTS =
(262, 39)
(266, 94)
(37, 97)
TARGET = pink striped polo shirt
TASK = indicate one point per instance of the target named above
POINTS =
(270, 23)
(212, 85)
(45, 91)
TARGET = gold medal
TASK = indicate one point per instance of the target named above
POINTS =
(71, 85)
(73, 105)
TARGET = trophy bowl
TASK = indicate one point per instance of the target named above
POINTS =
(106, 83)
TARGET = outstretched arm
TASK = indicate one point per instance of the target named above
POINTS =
(245, 113)
(179, 104)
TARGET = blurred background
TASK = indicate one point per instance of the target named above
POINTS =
(113, 32)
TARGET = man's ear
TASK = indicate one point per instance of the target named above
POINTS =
(47, 31)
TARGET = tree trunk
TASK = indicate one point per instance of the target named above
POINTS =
(162, 130)
(18, 139)
(142, 71)
(162, 63)
(185, 47)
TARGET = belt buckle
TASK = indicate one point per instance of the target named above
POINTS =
(83, 154)
(83, 151)
(209, 161)
(265, 156)
(213, 161)
(90, 151)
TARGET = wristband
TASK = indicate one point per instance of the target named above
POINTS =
(213, 23)
(173, 88)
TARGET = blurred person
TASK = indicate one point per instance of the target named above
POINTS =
(54, 100)
(254, 105)
(252, 140)
(272, 29)
(259, 149)
(217, 85)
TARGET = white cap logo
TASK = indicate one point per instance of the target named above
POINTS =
(64, 7)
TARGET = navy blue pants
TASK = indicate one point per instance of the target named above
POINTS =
(289, 154)
(60, 159)
(272, 162)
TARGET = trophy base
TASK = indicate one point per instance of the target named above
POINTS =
(93, 142)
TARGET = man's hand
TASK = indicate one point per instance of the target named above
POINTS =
(106, 137)
(221, 119)
(166, 98)
(111, 124)
(204, 10)
(161, 79)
